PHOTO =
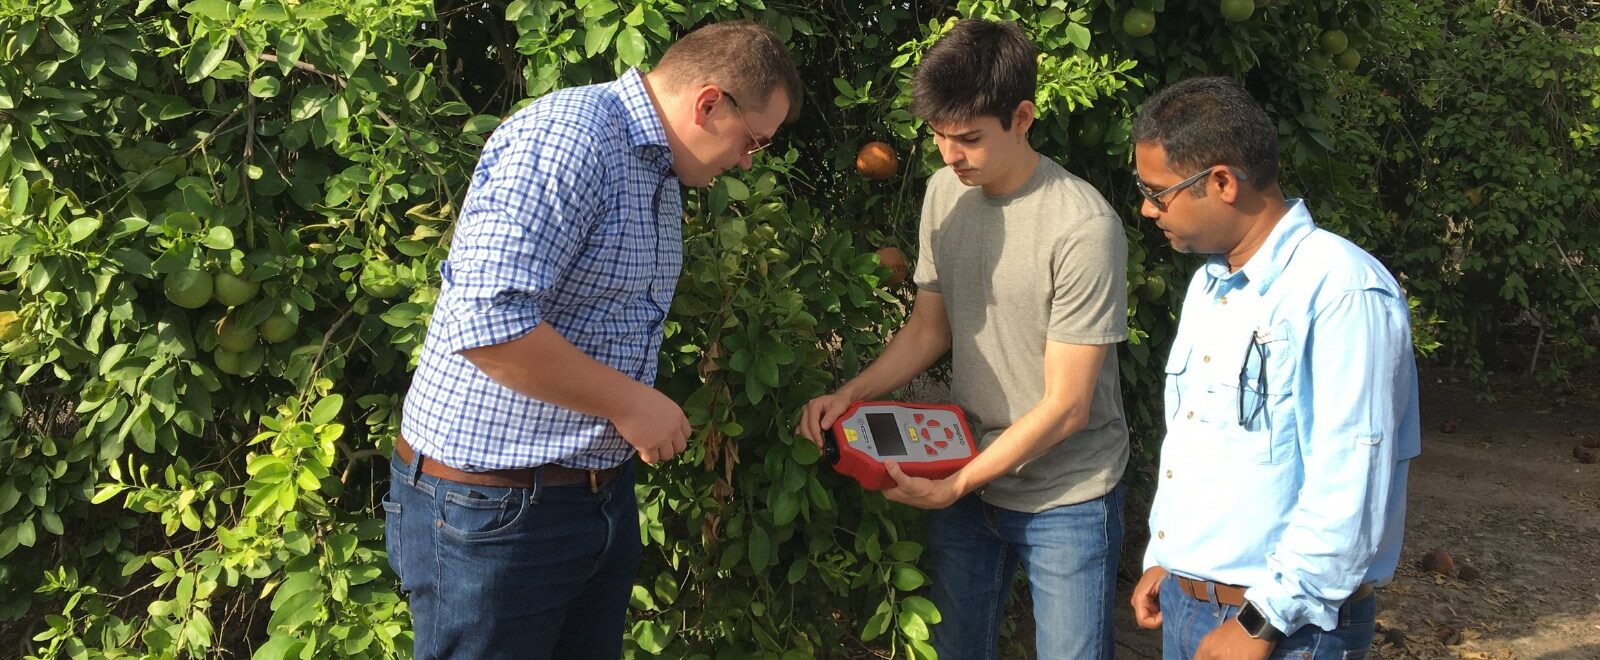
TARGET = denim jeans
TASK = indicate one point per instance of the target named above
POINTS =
(1070, 554)
(542, 572)
(1185, 620)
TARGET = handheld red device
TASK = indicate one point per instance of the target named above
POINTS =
(927, 440)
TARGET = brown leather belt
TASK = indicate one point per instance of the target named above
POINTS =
(546, 475)
(1233, 596)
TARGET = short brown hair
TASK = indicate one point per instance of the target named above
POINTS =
(742, 57)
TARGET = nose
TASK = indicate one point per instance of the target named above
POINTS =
(950, 153)
(1148, 209)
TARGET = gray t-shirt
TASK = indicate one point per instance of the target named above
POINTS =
(1047, 262)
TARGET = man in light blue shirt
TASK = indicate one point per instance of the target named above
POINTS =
(1291, 401)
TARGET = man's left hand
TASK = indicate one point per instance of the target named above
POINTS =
(919, 492)
(1230, 642)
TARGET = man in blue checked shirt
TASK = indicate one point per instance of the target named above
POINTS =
(511, 517)
(1291, 401)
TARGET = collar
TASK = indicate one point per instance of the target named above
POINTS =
(644, 123)
(1268, 262)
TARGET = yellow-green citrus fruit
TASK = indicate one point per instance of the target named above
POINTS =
(1238, 10)
(234, 338)
(1138, 22)
(227, 361)
(379, 281)
(1154, 287)
(1318, 59)
(1348, 60)
(10, 326)
(189, 289)
(232, 290)
(1090, 132)
(277, 328)
(1334, 42)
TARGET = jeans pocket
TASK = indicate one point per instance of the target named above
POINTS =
(391, 533)
(473, 513)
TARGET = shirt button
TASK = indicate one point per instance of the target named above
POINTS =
(1190, 415)
(1161, 535)
(1169, 474)
(1224, 300)
(1206, 359)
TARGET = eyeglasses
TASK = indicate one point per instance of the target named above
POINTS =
(756, 144)
(1259, 350)
(1155, 196)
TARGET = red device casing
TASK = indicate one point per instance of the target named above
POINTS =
(869, 470)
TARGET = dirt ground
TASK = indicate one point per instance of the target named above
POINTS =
(1501, 488)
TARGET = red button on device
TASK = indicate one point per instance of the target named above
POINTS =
(933, 423)
(942, 444)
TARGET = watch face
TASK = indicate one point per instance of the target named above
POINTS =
(1251, 620)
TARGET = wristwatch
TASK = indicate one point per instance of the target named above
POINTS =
(1256, 625)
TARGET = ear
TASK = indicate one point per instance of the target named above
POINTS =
(705, 101)
(1227, 185)
(1022, 117)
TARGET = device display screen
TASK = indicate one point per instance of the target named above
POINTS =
(886, 434)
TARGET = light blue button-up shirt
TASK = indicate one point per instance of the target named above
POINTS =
(1305, 501)
(573, 219)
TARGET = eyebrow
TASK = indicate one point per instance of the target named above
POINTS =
(967, 135)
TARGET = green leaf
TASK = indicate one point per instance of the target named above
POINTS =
(203, 58)
(265, 87)
(218, 10)
(82, 228)
(907, 578)
(1079, 36)
(631, 46)
(327, 409)
(597, 37)
(760, 549)
(480, 124)
(737, 191)
(65, 38)
(119, 62)
(218, 238)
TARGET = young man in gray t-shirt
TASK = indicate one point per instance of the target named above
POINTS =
(1021, 276)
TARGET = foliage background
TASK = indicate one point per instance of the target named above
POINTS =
(161, 496)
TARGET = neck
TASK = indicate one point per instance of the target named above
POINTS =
(1261, 217)
(1012, 181)
(660, 100)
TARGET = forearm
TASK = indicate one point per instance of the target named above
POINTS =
(565, 376)
(1041, 428)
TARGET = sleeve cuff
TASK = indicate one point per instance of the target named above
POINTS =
(1289, 612)
(498, 324)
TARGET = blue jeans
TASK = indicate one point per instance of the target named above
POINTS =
(1185, 620)
(1070, 554)
(542, 572)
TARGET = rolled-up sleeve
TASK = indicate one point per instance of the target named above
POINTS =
(1358, 352)
(535, 198)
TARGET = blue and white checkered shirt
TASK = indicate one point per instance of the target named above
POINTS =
(573, 219)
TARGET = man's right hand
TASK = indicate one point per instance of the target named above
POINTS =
(1147, 598)
(655, 426)
(820, 414)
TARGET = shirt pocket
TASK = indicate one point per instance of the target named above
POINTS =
(1259, 419)
(1177, 365)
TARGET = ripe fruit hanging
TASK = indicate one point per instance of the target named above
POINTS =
(1334, 42)
(895, 260)
(877, 161)
(232, 290)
